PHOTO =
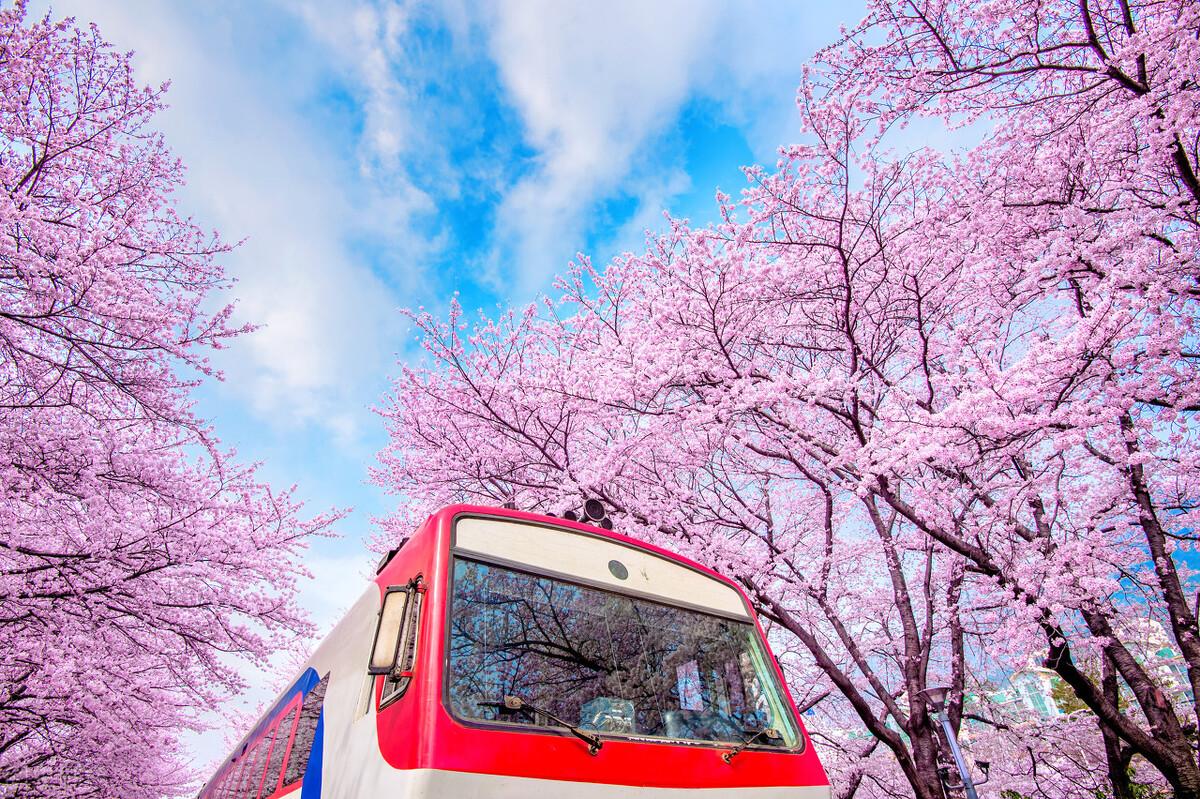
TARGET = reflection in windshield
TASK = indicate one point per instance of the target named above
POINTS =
(608, 662)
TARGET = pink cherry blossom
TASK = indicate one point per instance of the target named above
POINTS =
(936, 412)
(140, 563)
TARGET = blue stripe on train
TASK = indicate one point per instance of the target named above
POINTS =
(311, 789)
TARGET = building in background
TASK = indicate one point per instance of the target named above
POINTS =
(1035, 691)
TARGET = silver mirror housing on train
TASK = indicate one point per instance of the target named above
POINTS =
(390, 629)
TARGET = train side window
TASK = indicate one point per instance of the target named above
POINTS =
(235, 778)
(283, 739)
(270, 740)
(395, 648)
(306, 729)
(253, 772)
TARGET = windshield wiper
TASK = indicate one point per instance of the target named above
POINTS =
(770, 733)
(515, 704)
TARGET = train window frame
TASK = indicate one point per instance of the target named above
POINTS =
(248, 789)
(314, 697)
(235, 777)
(291, 710)
(230, 782)
(401, 668)
(785, 705)
(239, 775)
(265, 742)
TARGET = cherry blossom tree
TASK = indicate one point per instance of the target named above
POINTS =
(936, 413)
(139, 562)
(598, 404)
(1089, 188)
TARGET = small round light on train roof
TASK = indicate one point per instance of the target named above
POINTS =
(594, 509)
(618, 569)
(606, 523)
(571, 516)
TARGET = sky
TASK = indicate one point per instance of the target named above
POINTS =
(374, 156)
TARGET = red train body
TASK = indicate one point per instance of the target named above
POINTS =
(521, 654)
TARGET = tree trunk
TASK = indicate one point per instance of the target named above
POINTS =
(1117, 755)
(925, 747)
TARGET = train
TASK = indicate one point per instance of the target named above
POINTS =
(511, 655)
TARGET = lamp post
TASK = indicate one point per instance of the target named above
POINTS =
(937, 698)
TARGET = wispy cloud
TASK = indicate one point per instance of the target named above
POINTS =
(593, 88)
(592, 83)
(259, 169)
(596, 83)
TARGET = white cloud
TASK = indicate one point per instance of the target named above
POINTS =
(337, 583)
(595, 81)
(374, 45)
(366, 39)
(592, 85)
(258, 169)
(592, 82)
(654, 193)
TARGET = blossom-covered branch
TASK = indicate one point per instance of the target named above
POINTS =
(139, 562)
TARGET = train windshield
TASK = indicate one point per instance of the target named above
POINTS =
(606, 662)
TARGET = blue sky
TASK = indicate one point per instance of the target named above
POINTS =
(380, 155)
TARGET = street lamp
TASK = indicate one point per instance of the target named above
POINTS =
(937, 697)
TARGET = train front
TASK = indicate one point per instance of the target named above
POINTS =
(561, 660)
